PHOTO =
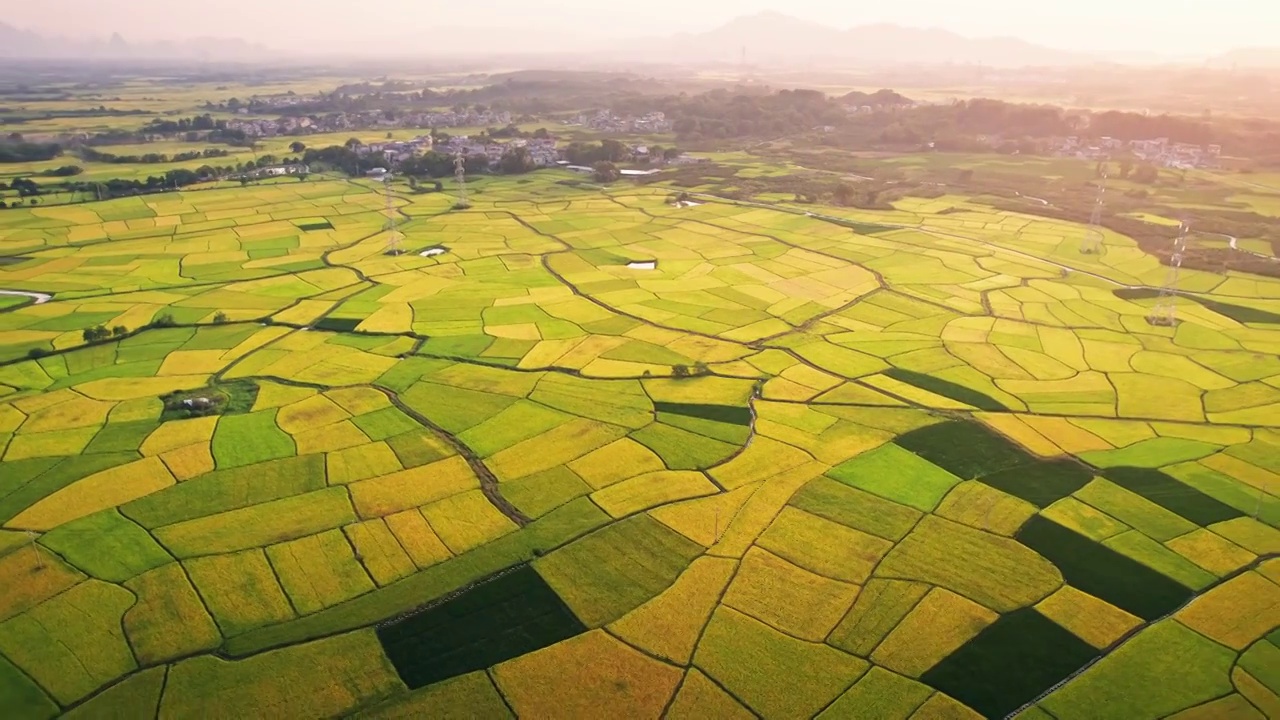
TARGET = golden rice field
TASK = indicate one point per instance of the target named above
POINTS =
(928, 462)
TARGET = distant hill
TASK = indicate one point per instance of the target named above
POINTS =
(773, 38)
(1248, 58)
(21, 44)
(877, 99)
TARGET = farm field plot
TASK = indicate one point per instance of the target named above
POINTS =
(812, 463)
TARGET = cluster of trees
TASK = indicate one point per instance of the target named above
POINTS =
(90, 154)
(724, 114)
(20, 151)
(101, 332)
(173, 127)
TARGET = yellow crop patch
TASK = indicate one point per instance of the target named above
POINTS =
(331, 438)
(789, 598)
(359, 400)
(389, 494)
(75, 412)
(240, 590)
(190, 461)
(314, 412)
(150, 388)
(1096, 622)
(99, 491)
(1211, 552)
(193, 362)
(615, 462)
(939, 625)
(379, 551)
(168, 621)
(761, 507)
(705, 520)
(467, 520)
(762, 460)
(49, 444)
(319, 571)
(669, 624)
(274, 395)
(591, 675)
(564, 444)
(699, 697)
(1237, 612)
(985, 508)
(24, 585)
(824, 547)
(178, 434)
(651, 490)
(361, 463)
(1015, 429)
(417, 538)
(148, 408)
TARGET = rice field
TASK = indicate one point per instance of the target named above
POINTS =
(606, 455)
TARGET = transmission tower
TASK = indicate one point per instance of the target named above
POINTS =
(1092, 243)
(1165, 313)
(460, 174)
(393, 242)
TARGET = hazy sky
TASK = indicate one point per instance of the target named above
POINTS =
(1171, 27)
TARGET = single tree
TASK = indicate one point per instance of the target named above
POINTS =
(119, 331)
(680, 371)
(297, 148)
(220, 318)
(606, 172)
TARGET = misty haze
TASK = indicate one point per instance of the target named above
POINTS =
(666, 360)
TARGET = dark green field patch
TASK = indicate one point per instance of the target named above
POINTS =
(385, 423)
(107, 546)
(221, 337)
(855, 508)
(121, 437)
(1010, 663)
(616, 569)
(226, 490)
(1041, 484)
(965, 449)
(338, 324)
(314, 226)
(74, 321)
(719, 413)
(946, 389)
(1103, 572)
(511, 615)
(681, 449)
(467, 346)
(1172, 495)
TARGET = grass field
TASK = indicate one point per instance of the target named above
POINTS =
(818, 462)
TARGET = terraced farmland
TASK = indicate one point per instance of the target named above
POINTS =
(929, 462)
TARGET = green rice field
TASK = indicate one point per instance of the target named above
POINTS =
(817, 462)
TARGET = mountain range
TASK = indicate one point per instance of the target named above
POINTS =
(764, 39)
(23, 44)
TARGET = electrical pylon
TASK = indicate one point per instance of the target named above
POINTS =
(1165, 313)
(460, 174)
(393, 241)
(1092, 243)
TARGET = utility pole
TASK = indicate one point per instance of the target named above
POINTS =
(393, 242)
